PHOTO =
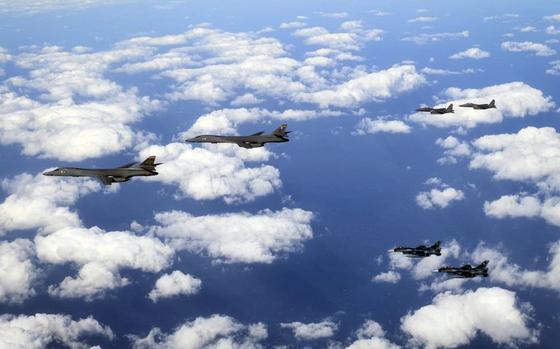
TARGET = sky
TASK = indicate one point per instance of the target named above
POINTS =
(288, 245)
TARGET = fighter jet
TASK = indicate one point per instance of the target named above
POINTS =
(449, 109)
(255, 140)
(490, 105)
(111, 175)
(466, 271)
(420, 251)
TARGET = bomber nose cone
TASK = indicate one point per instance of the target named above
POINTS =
(49, 173)
(191, 140)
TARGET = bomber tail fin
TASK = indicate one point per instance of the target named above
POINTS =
(281, 131)
(149, 164)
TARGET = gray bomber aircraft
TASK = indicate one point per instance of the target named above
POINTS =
(255, 140)
(466, 271)
(110, 175)
(484, 106)
(449, 109)
(420, 251)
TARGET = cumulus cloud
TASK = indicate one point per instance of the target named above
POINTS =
(455, 319)
(513, 206)
(39, 202)
(551, 30)
(421, 39)
(353, 37)
(373, 126)
(174, 284)
(473, 52)
(514, 99)
(17, 272)
(440, 197)
(453, 148)
(312, 331)
(528, 155)
(100, 256)
(334, 14)
(372, 87)
(504, 17)
(78, 112)
(555, 17)
(204, 174)
(292, 25)
(371, 336)
(390, 276)
(237, 237)
(216, 331)
(43, 330)
(528, 46)
(503, 271)
(554, 68)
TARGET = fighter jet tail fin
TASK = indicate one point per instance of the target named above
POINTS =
(450, 108)
(483, 265)
(436, 245)
(492, 104)
(149, 164)
(281, 131)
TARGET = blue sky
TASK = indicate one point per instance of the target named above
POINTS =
(283, 246)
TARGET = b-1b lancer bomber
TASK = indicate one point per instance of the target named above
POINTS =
(111, 175)
(484, 106)
(449, 109)
(466, 271)
(255, 140)
(420, 251)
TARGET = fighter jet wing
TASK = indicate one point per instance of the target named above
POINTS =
(105, 180)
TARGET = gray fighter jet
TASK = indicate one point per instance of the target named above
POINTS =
(111, 175)
(256, 140)
(449, 109)
(420, 251)
(490, 105)
(466, 271)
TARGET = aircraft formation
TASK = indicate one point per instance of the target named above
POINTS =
(280, 135)
(464, 272)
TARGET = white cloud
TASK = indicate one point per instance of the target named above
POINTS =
(204, 174)
(390, 276)
(292, 25)
(501, 270)
(504, 17)
(473, 52)
(453, 148)
(100, 255)
(454, 320)
(514, 99)
(528, 29)
(423, 19)
(216, 331)
(174, 284)
(380, 13)
(373, 126)
(440, 198)
(551, 30)
(371, 336)
(555, 17)
(237, 237)
(334, 14)
(421, 39)
(353, 38)
(17, 272)
(246, 99)
(44, 330)
(513, 206)
(312, 331)
(78, 112)
(30, 7)
(435, 71)
(532, 155)
(372, 87)
(554, 68)
(528, 46)
(39, 202)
